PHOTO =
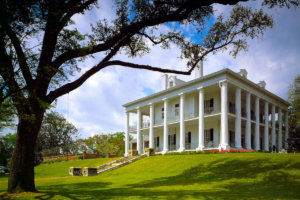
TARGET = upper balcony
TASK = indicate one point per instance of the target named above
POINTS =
(175, 118)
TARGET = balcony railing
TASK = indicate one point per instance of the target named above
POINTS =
(232, 109)
(145, 124)
(159, 122)
(208, 110)
(244, 113)
(190, 115)
(173, 118)
(173, 147)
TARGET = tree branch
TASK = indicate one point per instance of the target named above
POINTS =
(129, 30)
(21, 56)
(75, 84)
(147, 67)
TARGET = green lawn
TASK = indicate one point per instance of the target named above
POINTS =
(202, 176)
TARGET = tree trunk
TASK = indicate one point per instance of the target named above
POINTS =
(22, 163)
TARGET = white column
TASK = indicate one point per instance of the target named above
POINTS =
(280, 130)
(165, 147)
(201, 120)
(237, 139)
(138, 130)
(248, 122)
(182, 127)
(224, 116)
(273, 126)
(286, 124)
(257, 125)
(151, 129)
(266, 136)
(127, 134)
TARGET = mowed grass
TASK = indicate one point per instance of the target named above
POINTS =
(202, 176)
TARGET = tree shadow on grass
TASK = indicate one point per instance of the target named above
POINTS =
(236, 179)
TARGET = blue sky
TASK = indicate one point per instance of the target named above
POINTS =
(96, 107)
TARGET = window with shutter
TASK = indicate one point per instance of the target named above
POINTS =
(211, 102)
(177, 109)
(174, 139)
(211, 134)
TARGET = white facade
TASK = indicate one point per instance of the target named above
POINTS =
(222, 110)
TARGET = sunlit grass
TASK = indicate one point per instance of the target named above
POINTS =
(212, 176)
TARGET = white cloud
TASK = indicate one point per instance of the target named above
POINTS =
(96, 107)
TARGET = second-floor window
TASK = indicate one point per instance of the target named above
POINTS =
(208, 105)
(177, 109)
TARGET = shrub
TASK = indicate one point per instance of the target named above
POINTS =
(215, 151)
(80, 157)
(244, 151)
(234, 151)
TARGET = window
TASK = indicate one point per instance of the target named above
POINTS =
(188, 137)
(231, 138)
(172, 142)
(208, 105)
(172, 139)
(162, 113)
(156, 142)
(208, 137)
(177, 109)
(171, 83)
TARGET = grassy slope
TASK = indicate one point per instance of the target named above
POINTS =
(214, 176)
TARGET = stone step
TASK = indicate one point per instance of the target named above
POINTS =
(89, 171)
(121, 163)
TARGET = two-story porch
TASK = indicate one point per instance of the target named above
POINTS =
(213, 112)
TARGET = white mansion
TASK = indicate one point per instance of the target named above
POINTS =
(221, 110)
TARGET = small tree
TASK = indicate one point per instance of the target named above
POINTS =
(294, 114)
(7, 143)
(57, 136)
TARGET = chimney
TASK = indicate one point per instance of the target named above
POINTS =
(199, 70)
(243, 73)
(262, 84)
(164, 83)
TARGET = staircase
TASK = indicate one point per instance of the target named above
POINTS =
(92, 171)
(117, 163)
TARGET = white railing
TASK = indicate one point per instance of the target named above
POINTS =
(159, 122)
(208, 110)
(190, 115)
(173, 118)
(146, 124)
(132, 128)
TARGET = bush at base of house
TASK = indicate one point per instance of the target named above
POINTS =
(232, 151)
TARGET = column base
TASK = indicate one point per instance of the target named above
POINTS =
(126, 154)
(266, 149)
(257, 149)
(200, 148)
(238, 147)
(164, 151)
(182, 149)
(224, 147)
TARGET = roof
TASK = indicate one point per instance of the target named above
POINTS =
(201, 79)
